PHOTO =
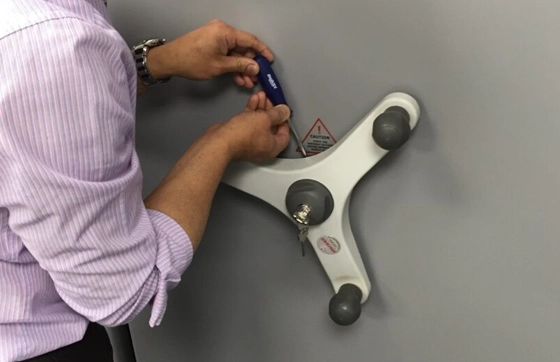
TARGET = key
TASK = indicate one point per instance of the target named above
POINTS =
(303, 231)
(302, 218)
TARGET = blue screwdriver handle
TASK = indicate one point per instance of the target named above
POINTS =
(269, 81)
(271, 86)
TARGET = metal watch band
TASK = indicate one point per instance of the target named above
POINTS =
(140, 53)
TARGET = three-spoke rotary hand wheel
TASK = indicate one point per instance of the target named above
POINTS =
(315, 193)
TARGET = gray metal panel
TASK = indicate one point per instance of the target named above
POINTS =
(458, 229)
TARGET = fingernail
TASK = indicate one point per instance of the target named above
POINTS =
(252, 69)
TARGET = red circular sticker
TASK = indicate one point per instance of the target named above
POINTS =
(328, 245)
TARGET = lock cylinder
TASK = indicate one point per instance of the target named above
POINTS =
(311, 198)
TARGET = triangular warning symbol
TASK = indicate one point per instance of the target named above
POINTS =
(318, 139)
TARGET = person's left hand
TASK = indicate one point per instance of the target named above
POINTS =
(210, 51)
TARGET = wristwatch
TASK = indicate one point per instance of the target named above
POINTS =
(140, 53)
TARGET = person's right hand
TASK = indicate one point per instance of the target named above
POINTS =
(259, 133)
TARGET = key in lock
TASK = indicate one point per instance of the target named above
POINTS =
(302, 218)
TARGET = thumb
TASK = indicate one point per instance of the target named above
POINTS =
(278, 114)
(232, 64)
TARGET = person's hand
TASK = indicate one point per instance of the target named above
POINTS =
(259, 133)
(210, 51)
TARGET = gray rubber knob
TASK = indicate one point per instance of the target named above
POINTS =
(315, 195)
(391, 129)
(346, 305)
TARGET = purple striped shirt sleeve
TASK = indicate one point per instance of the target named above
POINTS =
(72, 181)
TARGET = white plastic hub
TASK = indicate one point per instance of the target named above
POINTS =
(339, 169)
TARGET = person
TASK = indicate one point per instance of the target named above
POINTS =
(79, 248)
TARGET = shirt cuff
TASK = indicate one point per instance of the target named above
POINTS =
(174, 255)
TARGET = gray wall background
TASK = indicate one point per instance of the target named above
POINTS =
(458, 230)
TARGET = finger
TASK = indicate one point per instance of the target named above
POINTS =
(268, 105)
(249, 54)
(234, 64)
(262, 100)
(239, 79)
(284, 128)
(247, 40)
(278, 114)
(248, 81)
(252, 103)
(282, 137)
(243, 52)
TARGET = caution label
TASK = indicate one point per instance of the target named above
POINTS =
(318, 139)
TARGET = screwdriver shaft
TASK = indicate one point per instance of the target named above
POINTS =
(296, 136)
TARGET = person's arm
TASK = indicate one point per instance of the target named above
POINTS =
(207, 52)
(186, 193)
(73, 183)
(140, 87)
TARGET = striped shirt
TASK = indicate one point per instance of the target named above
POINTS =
(76, 242)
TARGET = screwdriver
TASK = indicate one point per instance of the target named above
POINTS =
(273, 89)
